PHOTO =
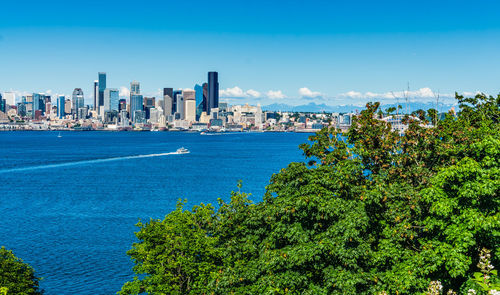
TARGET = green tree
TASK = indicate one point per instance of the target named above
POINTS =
(369, 212)
(177, 255)
(16, 277)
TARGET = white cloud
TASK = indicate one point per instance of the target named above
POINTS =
(275, 94)
(237, 92)
(124, 91)
(306, 92)
(253, 93)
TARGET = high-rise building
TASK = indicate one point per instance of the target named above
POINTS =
(60, 106)
(148, 104)
(213, 91)
(135, 88)
(10, 98)
(122, 105)
(96, 95)
(102, 87)
(201, 99)
(189, 105)
(67, 106)
(3, 104)
(77, 100)
(176, 93)
(111, 97)
(38, 103)
(168, 94)
(135, 105)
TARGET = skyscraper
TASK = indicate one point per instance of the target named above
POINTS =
(60, 106)
(77, 100)
(201, 99)
(135, 105)
(176, 93)
(96, 95)
(213, 91)
(10, 98)
(135, 88)
(189, 105)
(122, 105)
(111, 97)
(168, 94)
(102, 87)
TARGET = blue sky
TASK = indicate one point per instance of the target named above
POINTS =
(294, 52)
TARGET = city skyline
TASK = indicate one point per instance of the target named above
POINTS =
(324, 52)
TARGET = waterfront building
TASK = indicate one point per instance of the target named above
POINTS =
(189, 105)
(111, 97)
(60, 106)
(96, 95)
(213, 91)
(135, 105)
(78, 101)
(168, 95)
(139, 116)
(102, 87)
(124, 122)
(135, 88)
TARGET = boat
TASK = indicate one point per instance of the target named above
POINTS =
(59, 135)
(182, 150)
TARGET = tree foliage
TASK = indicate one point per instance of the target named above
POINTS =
(16, 277)
(369, 212)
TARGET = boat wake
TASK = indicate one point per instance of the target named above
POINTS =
(67, 164)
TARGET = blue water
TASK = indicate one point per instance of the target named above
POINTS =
(69, 204)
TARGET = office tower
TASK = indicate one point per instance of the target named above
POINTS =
(135, 105)
(135, 88)
(201, 99)
(124, 122)
(179, 105)
(168, 94)
(60, 106)
(189, 105)
(174, 100)
(102, 87)
(67, 106)
(96, 95)
(122, 105)
(10, 98)
(111, 97)
(77, 100)
(48, 106)
(213, 91)
(21, 109)
(37, 103)
(148, 104)
(82, 113)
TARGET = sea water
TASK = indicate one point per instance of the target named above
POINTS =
(69, 204)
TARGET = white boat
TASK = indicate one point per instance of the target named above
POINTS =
(59, 135)
(182, 150)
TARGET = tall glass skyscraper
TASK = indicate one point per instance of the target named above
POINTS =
(60, 106)
(111, 97)
(77, 100)
(96, 95)
(201, 99)
(213, 91)
(135, 88)
(175, 101)
(135, 105)
(102, 87)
